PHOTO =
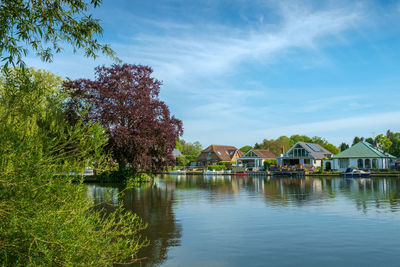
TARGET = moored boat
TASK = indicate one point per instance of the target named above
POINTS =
(354, 173)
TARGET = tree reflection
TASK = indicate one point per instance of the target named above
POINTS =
(155, 202)
(155, 206)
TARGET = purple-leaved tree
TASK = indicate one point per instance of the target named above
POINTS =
(124, 99)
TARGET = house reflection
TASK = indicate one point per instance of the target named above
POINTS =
(155, 202)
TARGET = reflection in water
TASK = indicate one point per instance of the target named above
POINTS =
(159, 202)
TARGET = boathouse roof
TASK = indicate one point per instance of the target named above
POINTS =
(363, 150)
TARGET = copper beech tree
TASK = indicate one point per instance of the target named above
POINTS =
(124, 99)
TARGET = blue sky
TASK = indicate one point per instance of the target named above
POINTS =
(239, 71)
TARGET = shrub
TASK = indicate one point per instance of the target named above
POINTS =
(270, 162)
(227, 164)
(45, 218)
(216, 167)
(181, 161)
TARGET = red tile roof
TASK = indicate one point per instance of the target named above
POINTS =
(224, 153)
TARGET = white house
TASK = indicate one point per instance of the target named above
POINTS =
(362, 155)
(309, 155)
(254, 158)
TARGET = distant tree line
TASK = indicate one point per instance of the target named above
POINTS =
(284, 143)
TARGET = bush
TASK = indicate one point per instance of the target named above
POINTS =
(181, 161)
(216, 167)
(45, 218)
(270, 162)
(227, 164)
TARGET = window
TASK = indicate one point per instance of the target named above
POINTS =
(374, 165)
(367, 164)
(360, 163)
(343, 163)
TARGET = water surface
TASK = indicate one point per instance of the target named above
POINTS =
(228, 221)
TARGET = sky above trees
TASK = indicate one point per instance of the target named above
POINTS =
(237, 72)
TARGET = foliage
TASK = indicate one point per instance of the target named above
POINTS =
(275, 146)
(227, 164)
(343, 146)
(216, 167)
(190, 158)
(42, 25)
(270, 162)
(284, 143)
(357, 140)
(45, 219)
(331, 148)
(124, 99)
(245, 149)
(370, 140)
(383, 141)
(181, 161)
(395, 138)
(179, 146)
(192, 149)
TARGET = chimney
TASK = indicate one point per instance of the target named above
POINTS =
(282, 150)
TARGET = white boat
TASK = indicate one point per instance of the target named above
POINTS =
(353, 173)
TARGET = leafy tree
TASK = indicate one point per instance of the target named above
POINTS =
(179, 146)
(395, 138)
(319, 140)
(356, 140)
(124, 99)
(275, 146)
(300, 138)
(257, 146)
(332, 148)
(343, 146)
(43, 25)
(245, 149)
(181, 161)
(44, 218)
(383, 141)
(191, 149)
(370, 140)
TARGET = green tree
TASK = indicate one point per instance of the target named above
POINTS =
(383, 141)
(245, 149)
(331, 148)
(179, 145)
(45, 218)
(356, 140)
(300, 138)
(191, 149)
(343, 146)
(276, 146)
(43, 25)
(370, 140)
(395, 138)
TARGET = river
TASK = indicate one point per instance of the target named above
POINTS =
(229, 221)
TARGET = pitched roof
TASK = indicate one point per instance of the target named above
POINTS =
(315, 150)
(224, 153)
(363, 150)
(265, 154)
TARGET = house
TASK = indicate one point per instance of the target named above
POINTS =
(309, 155)
(254, 158)
(216, 153)
(362, 155)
